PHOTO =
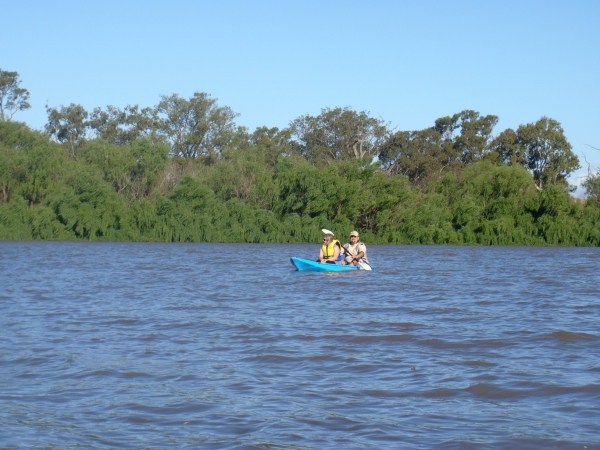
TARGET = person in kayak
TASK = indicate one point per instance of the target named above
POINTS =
(356, 252)
(331, 248)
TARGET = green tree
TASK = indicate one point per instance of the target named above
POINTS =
(592, 187)
(507, 149)
(30, 165)
(122, 126)
(195, 127)
(491, 203)
(10, 155)
(420, 155)
(548, 154)
(475, 134)
(468, 133)
(116, 163)
(40, 172)
(453, 141)
(131, 169)
(592, 184)
(8, 162)
(88, 208)
(14, 220)
(273, 143)
(69, 126)
(246, 176)
(339, 133)
(13, 98)
(380, 196)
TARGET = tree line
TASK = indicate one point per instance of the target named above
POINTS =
(184, 171)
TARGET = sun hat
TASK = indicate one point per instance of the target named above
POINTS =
(354, 233)
(326, 231)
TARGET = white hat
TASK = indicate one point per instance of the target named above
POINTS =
(326, 231)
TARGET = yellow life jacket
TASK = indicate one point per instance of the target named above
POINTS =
(329, 250)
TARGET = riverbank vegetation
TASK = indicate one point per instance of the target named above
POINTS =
(183, 171)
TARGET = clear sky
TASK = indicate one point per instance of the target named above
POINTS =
(408, 62)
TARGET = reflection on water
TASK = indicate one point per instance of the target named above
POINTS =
(119, 345)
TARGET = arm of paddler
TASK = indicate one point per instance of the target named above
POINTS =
(321, 259)
(360, 253)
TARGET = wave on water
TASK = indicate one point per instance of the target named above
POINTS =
(452, 347)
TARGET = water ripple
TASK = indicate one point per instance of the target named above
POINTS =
(152, 346)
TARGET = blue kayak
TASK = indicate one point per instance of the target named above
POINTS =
(315, 266)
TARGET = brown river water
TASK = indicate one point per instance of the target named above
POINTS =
(221, 346)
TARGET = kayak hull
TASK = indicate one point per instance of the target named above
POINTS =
(314, 266)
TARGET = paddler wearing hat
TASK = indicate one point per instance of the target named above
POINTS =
(330, 250)
(356, 252)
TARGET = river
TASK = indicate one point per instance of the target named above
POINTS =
(226, 346)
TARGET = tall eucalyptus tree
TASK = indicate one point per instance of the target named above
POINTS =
(122, 126)
(68, 125)
(542, 148)
(548, 153)
(195, 127)
(339, 133)
(13, 98)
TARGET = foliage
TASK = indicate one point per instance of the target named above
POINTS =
(339, 133)
(13, 98)
(542, 148)
(184, 172)
(472, 143)
(121, 127)
(420, 155)
(451, 143)
(591, 184)
(592, 187)
(195, 127)
(88, 208)
(132, 169)
(69, 126)
(549, 155)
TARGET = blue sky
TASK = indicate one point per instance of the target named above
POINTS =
(272, 61)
